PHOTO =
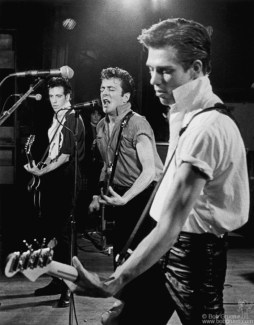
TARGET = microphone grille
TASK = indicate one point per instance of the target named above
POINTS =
(66, 72)
(96, 101)
(38, 97)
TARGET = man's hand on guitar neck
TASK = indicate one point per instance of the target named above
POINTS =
(34, 169)
(114, 199)
(48, 166)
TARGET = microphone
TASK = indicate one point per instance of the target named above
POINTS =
(65, 72)
(35, 96)
(91, 103)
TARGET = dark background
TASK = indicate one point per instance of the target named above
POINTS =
(104, 33)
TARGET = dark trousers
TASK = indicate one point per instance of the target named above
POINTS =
(195, 270)
(189, 280)
(56, 214)
(145, 298)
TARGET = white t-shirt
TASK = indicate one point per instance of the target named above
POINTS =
(213, 144)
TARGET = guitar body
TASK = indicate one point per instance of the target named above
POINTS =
(35, 182)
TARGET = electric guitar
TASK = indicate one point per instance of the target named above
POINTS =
(35, 181)
(28, 145)
(103, 219)
(110, 172)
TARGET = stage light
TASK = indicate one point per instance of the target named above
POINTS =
(157, 4)
(69, 23)
(131, 4)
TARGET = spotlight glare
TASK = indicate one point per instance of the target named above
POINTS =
(130, 3)
(69, 24)
(157, 4)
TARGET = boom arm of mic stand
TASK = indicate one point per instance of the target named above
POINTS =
(2, 81)
(4, 116)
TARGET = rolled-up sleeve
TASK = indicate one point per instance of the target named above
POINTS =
(141, 127)
(200, 149)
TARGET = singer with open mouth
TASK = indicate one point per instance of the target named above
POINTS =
(131, 169)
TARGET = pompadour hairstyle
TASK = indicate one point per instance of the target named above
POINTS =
(191, 40)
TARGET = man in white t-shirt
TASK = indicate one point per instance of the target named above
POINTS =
(204, 193)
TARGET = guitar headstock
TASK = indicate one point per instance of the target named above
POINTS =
(31, 263)
(29, 142)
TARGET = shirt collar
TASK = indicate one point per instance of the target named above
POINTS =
(122, 110)
(61, 113)
(194, 96)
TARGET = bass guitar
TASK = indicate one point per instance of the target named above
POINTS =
(34, 263)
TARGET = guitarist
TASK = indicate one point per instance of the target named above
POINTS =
(137, 170)
(204, 192)
(57, 178)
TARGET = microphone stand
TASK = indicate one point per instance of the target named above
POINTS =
(72, 217)
(6, 114)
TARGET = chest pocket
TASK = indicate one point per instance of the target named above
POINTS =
(127, 139)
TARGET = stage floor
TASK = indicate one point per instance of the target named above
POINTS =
(20, 307)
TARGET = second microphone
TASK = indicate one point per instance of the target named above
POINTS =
(88, 104)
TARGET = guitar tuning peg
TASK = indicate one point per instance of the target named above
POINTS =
(36, 242)
(43, 242)
(29, 246)
(52, 243)
(16, 259)
(26, 243)
(20, 264)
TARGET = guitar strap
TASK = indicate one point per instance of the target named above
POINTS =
(126, 251)
(124, 123)
(111, 172)
(52, 139)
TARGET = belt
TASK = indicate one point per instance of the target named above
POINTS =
(203, 237)
(120, 188)
(196, 240)
(123, 189)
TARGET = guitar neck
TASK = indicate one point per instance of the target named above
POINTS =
(29, 159)
(63, 271)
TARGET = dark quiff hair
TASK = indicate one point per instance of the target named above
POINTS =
(127, 82)
(191, 40)
(60, 82)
